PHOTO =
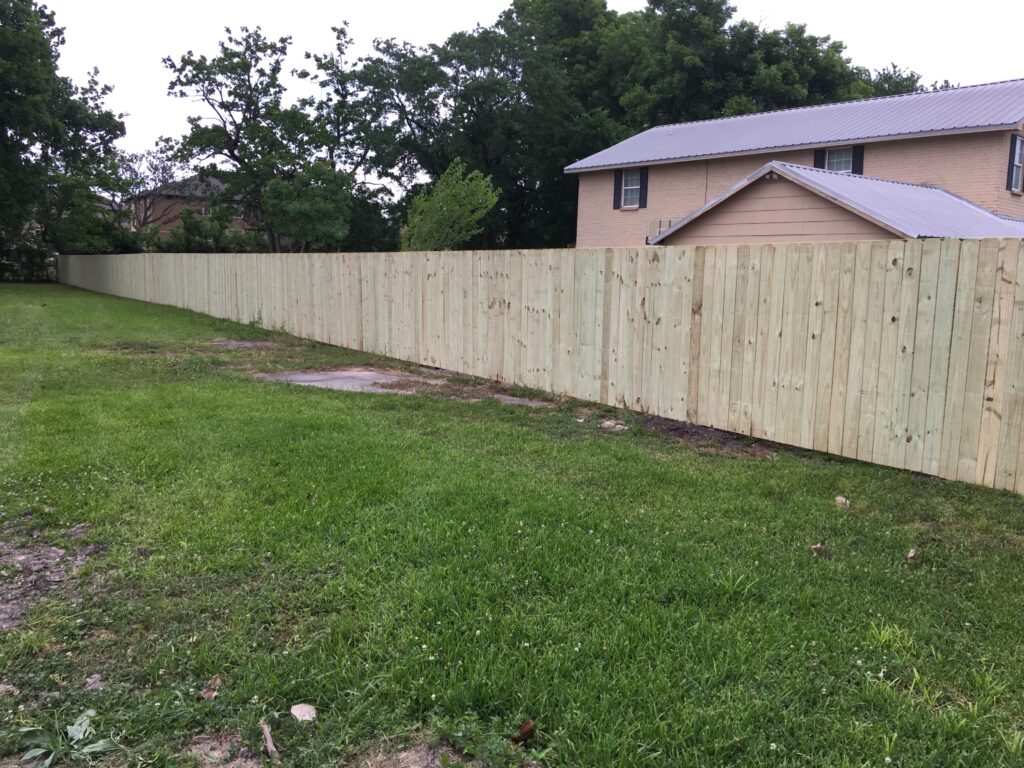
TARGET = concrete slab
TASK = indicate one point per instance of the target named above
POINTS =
(354, 380)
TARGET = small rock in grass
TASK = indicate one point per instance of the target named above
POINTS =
(816, 549)
(94, 683)
(912, 556)
(614, 425)
(304, 712)
(79, 531)
(209, 693)
(842, 502)
(6, 689)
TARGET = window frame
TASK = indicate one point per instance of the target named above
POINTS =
(1017, 167)
(638, 187)
(831, 151)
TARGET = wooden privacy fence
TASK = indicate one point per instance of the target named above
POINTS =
(903, 353)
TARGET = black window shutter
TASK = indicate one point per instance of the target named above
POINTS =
(617, 190)
(858, 159)
(643, 187)
(1013, 156)
(819, 158)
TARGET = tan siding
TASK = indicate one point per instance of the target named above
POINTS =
(970, 165)
(776, 210)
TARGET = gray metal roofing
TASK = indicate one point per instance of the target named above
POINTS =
(907, 210)
(974, 107)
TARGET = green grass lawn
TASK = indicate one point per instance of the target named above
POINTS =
(422, 565)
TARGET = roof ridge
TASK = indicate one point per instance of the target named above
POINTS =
(933, 187)
(834, 103)
(855, 175)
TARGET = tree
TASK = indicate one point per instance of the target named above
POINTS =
(450, 214)
(139, 174)
(310, 210)
(252, 134)
(56, 144)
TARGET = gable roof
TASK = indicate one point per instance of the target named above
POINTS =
(193, 187)
(907, 210)
(992, 106)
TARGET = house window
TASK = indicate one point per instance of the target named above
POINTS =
(840, 160)
(631, 182)
(1016, 180)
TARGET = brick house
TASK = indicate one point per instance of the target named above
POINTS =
(162, 206)
(713, 181)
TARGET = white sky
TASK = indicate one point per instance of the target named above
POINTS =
(967, 43)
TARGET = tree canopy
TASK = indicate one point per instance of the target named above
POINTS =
(346, 163)
(451, 214)
(56, 147)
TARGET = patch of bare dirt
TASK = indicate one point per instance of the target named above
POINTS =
(420, 755)
(393, 381)
(235, 344)
(224, 750)
(709, 439)
(31, 568)
(138, 348)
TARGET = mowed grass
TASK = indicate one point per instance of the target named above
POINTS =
(421, 564)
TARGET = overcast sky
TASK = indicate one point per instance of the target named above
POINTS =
(979, 42)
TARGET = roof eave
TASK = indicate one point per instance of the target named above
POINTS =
(794, 147)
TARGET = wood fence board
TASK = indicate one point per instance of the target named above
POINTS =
(977, 358)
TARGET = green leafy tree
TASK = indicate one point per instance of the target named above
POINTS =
(310, 211)
(451, 213)
(56, 147)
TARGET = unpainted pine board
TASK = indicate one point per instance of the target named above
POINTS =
(774, 347)
(942, 339)
(661, 374)
(869, 402)
(891, 317)
(844, 336)
(904, 365)
(694, 362)
(832, 262)
(974, 390)
(623, 318)
(513, 364)
(862, 282)
(752, 304)
(707, 335)
(680, 364)
(655, 330)
(917, 416)
(996, 364)
(640, 330)
(738, 339)
(716, 332)
(765, 258)
(798, 400)
(813, 334)
(607, 322)
(785, 417)
(1010, 457)
(587, 324)
(956, 380)
(569, 360)
(726, 339)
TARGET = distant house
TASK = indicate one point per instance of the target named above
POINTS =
(959, 154)
(162, 206)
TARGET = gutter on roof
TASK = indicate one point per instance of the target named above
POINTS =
(789, 147)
